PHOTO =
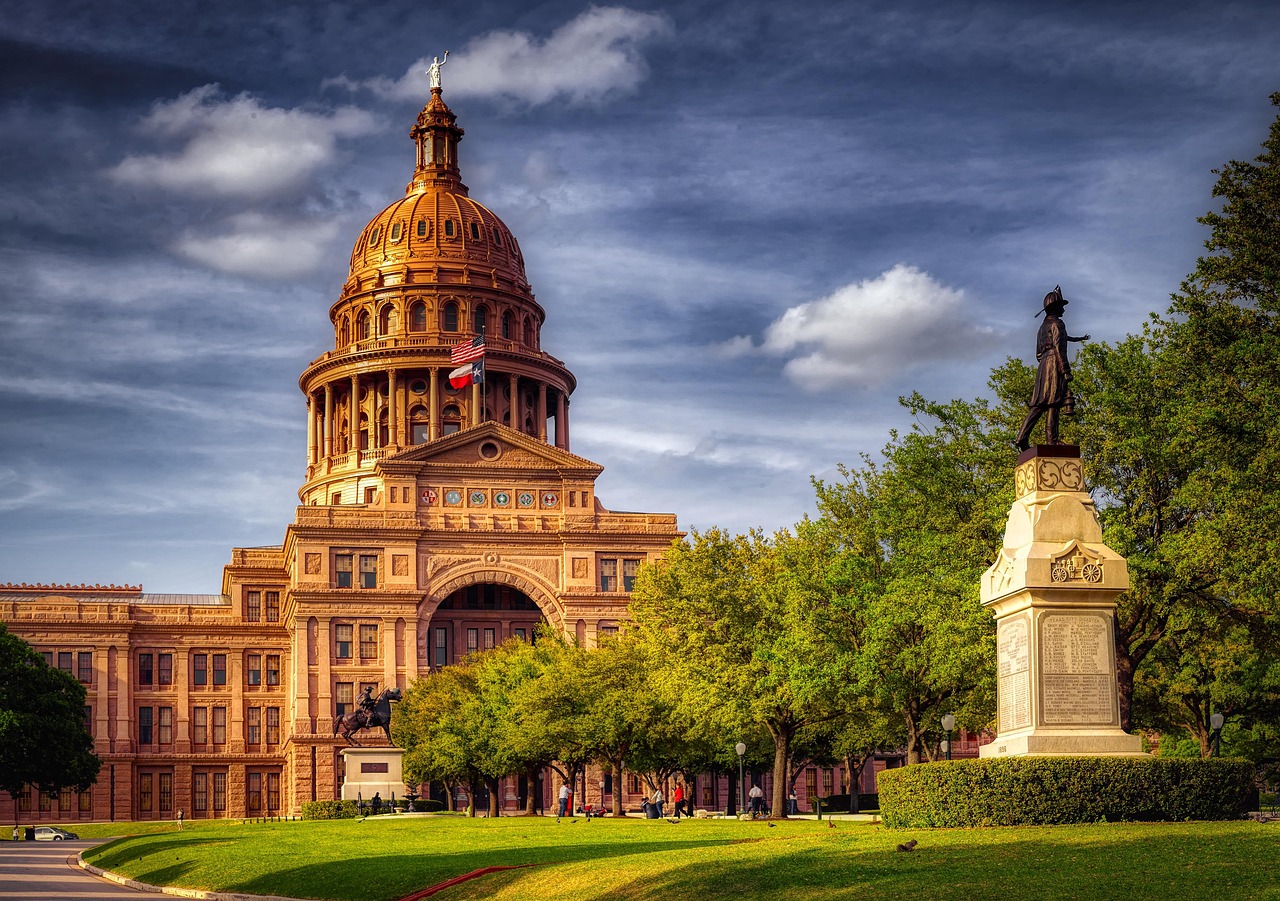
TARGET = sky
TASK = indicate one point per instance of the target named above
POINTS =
(753, 226)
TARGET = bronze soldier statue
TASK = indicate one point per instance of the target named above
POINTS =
(1053, 376)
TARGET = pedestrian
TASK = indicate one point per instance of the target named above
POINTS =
(658, 801)
(564, 801)
(757, 800)
(179, 817)
(16, 833)
(793, 804)
(678, 798)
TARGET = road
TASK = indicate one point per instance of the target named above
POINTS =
(47, 871)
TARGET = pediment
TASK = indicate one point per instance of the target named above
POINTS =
(490, 445)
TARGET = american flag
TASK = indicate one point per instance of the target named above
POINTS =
(466, 351)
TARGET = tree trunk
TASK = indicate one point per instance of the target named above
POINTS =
(493, 796)
(781, 756)
(471, 796)
(731, 809)
(853, 773)
(617, 788)
(531, 792)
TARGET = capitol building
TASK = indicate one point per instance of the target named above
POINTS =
(440, 515)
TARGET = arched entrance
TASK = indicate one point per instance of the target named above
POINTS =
(479, 617)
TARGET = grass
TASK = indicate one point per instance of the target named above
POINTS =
(387, 858)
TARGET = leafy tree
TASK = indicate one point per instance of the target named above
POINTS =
(43, 741)
(436, 723)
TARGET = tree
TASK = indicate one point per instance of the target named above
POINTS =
(436, 725)
(43, 740)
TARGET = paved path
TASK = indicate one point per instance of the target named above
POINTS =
(47, 871)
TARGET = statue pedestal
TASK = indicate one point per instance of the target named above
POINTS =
(370, 771)
(1052, 592)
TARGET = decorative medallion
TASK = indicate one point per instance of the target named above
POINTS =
(478, 498)
(549, 499)
(525, 499)
(502, 499)
(429, 496)
(491, 559)
(453, 497)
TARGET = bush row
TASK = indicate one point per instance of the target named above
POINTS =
(345, 810)
(1028, 791)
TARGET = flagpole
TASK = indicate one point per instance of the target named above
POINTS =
(484, 410)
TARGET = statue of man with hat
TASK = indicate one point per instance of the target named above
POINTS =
(1053, 374)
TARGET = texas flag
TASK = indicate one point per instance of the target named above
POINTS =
(465, 375)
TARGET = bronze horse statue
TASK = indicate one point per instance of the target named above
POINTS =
(349, 724)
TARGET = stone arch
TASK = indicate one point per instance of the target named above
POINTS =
(480, 573)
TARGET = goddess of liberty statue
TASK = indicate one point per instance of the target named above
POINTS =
(433, 71)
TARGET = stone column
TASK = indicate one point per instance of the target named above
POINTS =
(353, 416)
(324, 678)
(393, 411)
(517, 420)
(102, 700)
(328, 420)
(411, 648)
(1052, 591)
(542, 412)
(301, 690)
(562, 433)
(311, 430)
(434, 399)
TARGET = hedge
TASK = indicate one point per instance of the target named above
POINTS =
(427, 805)
(330, 810)
(1042, 791)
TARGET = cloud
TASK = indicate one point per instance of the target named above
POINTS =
(261, 246)
(235, 146)
(869, 330)
(584, 61)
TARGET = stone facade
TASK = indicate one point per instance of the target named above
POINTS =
(434, 521)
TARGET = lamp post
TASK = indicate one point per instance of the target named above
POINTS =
(1215, 723)
(742, 785)
(949, 724)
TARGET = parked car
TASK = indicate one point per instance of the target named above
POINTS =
(54, 834)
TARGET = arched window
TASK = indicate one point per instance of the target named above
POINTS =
(419, 424)
(344, 331)
(364, 431)
(448, 228)
(395, 232)
(384, 433)
(450, 419)
(497, 237)
(475, 231)
(480, 320)
(362, 325)
(422, 228)
(451, 317)
(388, 320)
(418, 317)
(528, 332)
(506, 325)
(373, 236)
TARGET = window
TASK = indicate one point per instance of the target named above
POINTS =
(608, 575)
(253, 725)
(166, 725)
(489, 637)
(24, 801)
(370, 494)
(634, 787)
(475, 231)
(273, 669)
(64, 801)
(528, 332)
(448, 228)
(629, 570)
(273, 606)
(520, 634)
(473, 640)
(87, 714)
(342, 640)
(64, 661)
(362, 325)
(200, 669)
(199, 725)
(344, 697)
(252, 606)
(368, 571)
(253, 671)
(46, 801)
(418, 317)
(273, 791)
(86, 802)
(342, 567)
(273, 725)
(166, 791)
(165, 671)
(84, 667)
(452, 419)
(827, 778)
(373, 236)
(422, 228)
(506, 325)
(219, 669)
(497, 237)
(144, 726)
(144, 791)
(442, 646)
(480, 320)
(368, 642)
(395, 232)
(253, 794)
(48, 657)
(219, 725)
(451, 317)
(146, 673)
(200, 792)
(219, 791)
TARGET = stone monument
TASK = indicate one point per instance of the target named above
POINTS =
(370, 771)
(1052, 591)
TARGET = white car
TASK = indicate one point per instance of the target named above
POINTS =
(54, 834)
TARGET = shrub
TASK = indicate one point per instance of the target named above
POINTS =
(840, 803)
(426, 805)
(1026, 791)
(330, 810)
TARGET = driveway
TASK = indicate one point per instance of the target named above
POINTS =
(46, 871)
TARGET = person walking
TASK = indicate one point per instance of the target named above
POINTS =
(756, 795)
(564, 801)
(658, 801)
(678, 798)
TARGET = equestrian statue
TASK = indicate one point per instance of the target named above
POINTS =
(370, 713)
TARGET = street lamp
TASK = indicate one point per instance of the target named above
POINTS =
(1215, 722)
(949, 724)
(741, 748)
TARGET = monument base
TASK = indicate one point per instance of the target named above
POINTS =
(1075, 743)
(370, 771)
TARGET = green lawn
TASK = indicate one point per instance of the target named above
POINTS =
(387, 858)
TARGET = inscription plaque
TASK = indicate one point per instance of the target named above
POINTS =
(1013, 687)
(376, 767)
(1077, 681)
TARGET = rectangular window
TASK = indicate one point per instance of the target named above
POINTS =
(219, 725)
(826, 782)
(344, 696)
(368, 642)
(199, 725)
(635, 783)
(253, 794)
(811, 782)
(520, 634)
(253, 606)
(219, 792)
(253, 725)
(24, 801)
(219, 669)
(86, 802)
(273, 669)
(273, 725)
(144, 725)
(146, 673)
(200, 669)
(64, 661)
(609, 575)
(253, 672)
(166, 791)
(442, 646)
(144, 791)
(342, 636)
(46, 801)
(164, 670)
(48, 657)
(368, 571)
(473, 640)
(200, 792)
(490, 636)
(342, 570)
(629, 570)
(88, 718)
(64, 801)
(84, 667)
(273, 606)
(273, 791)
(166, 725)
(370, 495)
